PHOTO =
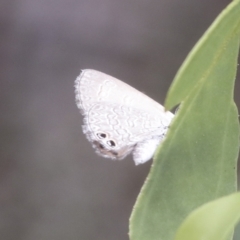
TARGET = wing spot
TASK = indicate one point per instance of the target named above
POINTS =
(101, 135)
(111, 143)
(101, 146)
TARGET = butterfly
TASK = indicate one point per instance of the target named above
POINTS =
(118, 119)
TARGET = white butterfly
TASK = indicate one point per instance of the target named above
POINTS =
(118, 119)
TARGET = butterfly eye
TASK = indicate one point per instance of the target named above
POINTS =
(102, 135)
(111, 143)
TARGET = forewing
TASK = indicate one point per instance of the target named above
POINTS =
(93, 86)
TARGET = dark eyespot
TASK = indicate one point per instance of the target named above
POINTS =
(111, 143)
(101, 146)
(102, 135)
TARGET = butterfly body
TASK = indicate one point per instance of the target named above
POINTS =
(118, 119)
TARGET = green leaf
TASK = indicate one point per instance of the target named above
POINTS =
(197, 161)
(203, 60)
(212, 221)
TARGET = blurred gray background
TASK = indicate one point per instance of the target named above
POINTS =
(52, 184)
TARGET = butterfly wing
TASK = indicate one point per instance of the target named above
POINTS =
(118, 119)
(93, 86)
(116, 131)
